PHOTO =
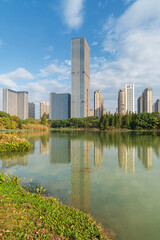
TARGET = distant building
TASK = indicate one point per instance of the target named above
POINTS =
(60, 106)
(80, 78)
(147, 100)
(31, 110)
(15, 103)
(139, 105)
(98, 103)
(157, 106)
(129, 91)
(121, 101)
(44, 108)
(104, 111)
(91, 114)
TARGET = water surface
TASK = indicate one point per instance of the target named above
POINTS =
(113, 176)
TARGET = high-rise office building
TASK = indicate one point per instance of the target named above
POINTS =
(98, 103)
(80, 78)
(31, 110)
(147, 100)
(121, 101)
(129, 90)
(44, 108)
(60, 106)
(15, 103)
(139, 105)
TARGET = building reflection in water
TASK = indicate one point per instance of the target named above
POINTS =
(98, 153)
(80, 174)
(44, 145)
(126, 158)
(59, 150)
(145, 154)
(76, 152)
(21, 160)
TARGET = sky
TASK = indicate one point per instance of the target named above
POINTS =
(35, 46)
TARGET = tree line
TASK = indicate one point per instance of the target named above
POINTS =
(131, 121)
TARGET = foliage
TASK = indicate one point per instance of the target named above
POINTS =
(44, 119)
(14, 122)
(26, 215)
(134, 121)
(11, 143)
(88, 122)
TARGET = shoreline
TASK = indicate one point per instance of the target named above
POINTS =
(35, 216)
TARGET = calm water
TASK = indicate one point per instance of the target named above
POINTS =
(113, 176)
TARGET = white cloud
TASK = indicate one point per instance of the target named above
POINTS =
(132, 42)
(20, 74)
(9, 79)
(73, 13)
(47, 57)
(94, 43)
(53, 69)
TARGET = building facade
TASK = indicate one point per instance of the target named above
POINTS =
(15, 103)
(98, 103)
(44, 108)
(60, 106)
(147, 100)
(80, 78)
(139, 105)
(129, 91)
(121, 101)
(31, 110)
(157, 106)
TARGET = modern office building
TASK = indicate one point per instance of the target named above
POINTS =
(31, 110)
(121, 101)
(98, 103)
(44, 108)
(129, 90)
(139, 105)
(147, 100)
(91, 113)
(60, 106)
(157, 106)
(80, 78)
(15, 103)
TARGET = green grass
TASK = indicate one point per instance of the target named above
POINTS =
(27, 215)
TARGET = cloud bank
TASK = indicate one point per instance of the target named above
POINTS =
(73, 13)
(132, 43)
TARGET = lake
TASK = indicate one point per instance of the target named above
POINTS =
(113, 176)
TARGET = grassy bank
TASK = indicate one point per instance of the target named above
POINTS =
(12, 143)
(26, 215)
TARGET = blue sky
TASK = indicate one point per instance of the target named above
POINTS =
(35, 42)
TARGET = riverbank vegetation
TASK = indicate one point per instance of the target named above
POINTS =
(12, 143)
(13, 122)
(27, 215)
(131, 121)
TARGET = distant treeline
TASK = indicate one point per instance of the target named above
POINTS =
(133, 121)
(13, 122)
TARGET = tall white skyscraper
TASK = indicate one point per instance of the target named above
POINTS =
(15, 103)
(80, 78)
(129, 90)
(98, 103)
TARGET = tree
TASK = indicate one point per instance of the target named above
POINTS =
(44, 119)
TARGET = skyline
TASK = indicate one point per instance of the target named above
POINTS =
(35, 46)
